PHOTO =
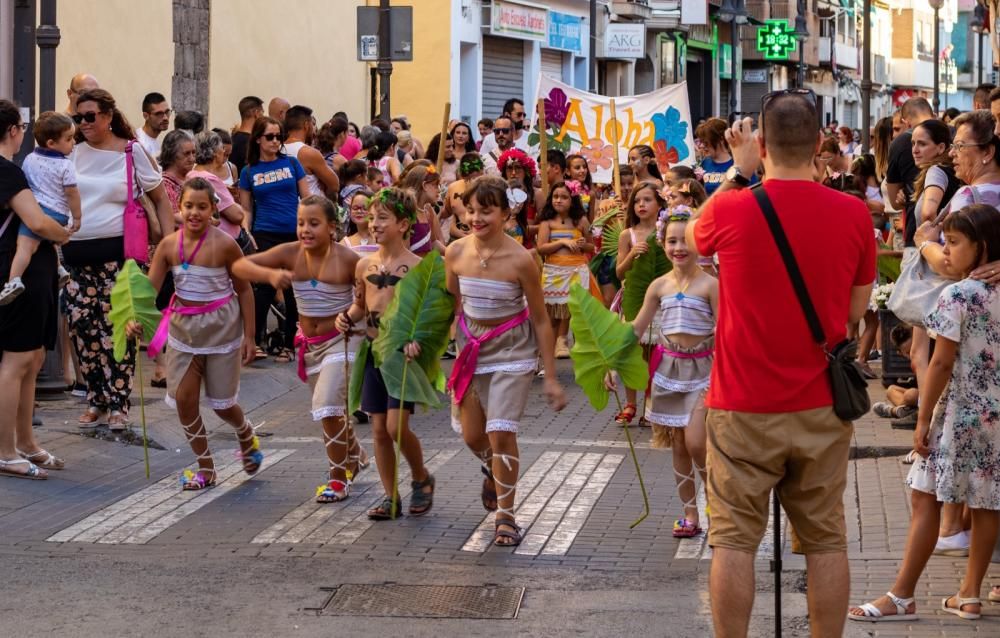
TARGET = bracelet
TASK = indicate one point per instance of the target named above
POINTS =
(920, 248)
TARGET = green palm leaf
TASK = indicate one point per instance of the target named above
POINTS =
(603, 343)
(132, 299)
(610, 235)
(888, 266)
(421, 310)
(645, 269)
(603, 219)
(358, 376)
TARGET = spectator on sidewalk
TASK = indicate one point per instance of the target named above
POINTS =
(95, 253)
(982, 98)
(191, 121)
(300, 129)
(514, 113)
(28, 324)
(177, 158)
(156, 120)
(277, 108)
(771, 423)
(251, 107)
(77, 86)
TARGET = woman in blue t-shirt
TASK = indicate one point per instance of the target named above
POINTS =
(270, 186)
(718, 159)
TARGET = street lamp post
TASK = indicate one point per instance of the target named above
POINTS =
(801, 33)
(936, 5)
(733, 12)
(866, 78)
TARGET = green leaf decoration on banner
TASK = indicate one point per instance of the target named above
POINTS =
(358, 376)
(603, 343)
(133, 298)
(645, 269)
(533, 139)
(421, 310)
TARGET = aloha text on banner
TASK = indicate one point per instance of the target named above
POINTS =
(578, 122)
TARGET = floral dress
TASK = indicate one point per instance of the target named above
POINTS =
(964, 463)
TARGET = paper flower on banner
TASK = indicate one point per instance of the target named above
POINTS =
(598, 154)
(665, 156)
(669, 129)
(556, 108)
(516, 157)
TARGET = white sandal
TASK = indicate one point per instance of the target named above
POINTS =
(44, 458)
(34, 472)
(871, 613)
(962, 602)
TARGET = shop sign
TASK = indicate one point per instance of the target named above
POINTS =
(755, 76)
(776, 39)
(725, 61)
(520, 20)
(564, 32)
(625, 40)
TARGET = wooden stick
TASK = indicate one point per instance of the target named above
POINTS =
(543, 148)
(616, 174)
(444, 135)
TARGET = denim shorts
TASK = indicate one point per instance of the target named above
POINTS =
(59, 217)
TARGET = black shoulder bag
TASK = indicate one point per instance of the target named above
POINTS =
(850, 390)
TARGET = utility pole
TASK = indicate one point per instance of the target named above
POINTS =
(47, 36)
(866, 78)
(384, 66)
(936, 5)
(801, 33)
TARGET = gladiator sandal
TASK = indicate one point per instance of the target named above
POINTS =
(505, 517)
(253, 459)
(335, 489)
(203, 477)
(489, 492)
(683, 528)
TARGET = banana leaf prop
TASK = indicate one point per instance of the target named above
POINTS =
(645, 269)
(888, 266)
(604, 344)
(421, 310)
(133, 298)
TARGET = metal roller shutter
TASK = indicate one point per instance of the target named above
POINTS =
(503, 73)
(552, 64)
(752, 94)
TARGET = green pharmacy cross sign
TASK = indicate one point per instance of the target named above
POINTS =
(776, 39)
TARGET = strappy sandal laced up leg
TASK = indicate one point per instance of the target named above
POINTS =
(505, 516)
(684, 528)
(252, 458)
(203, 477)
(336, 490)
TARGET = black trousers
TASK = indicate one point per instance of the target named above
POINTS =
(263, 294)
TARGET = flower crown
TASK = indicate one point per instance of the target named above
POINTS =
(394, 202)
(471, 165)
(520, 158)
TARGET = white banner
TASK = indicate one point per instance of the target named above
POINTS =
(578, 122)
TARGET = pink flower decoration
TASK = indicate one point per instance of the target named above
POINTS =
(598, 154)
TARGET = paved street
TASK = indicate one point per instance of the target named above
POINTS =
(99, 550)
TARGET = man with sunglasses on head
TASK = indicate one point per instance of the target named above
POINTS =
(771, 423)
(156, 120)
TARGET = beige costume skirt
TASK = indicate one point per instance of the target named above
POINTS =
(327, 376)
(678, 383)
(210, 343)
(504, 372)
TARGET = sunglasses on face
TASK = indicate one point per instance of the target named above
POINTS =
(89, 118)
(502, 131)
(270, 137)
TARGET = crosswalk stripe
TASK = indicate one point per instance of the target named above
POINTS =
(158, 506)
(562, 538)
(547, 521)
(481, 539)
(698, 547)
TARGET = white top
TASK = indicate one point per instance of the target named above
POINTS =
(152, 145)
(103, 188)
(292, 150)
(489, 147)
(49, 173)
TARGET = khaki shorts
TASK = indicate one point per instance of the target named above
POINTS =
(803, 455)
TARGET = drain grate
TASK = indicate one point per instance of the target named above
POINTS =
(486, 602)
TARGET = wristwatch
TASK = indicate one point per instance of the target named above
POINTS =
(735, 176)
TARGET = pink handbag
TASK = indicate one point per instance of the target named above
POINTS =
(136, 222)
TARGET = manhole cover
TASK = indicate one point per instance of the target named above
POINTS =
(424, 601)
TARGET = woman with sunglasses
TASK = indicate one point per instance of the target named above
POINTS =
(271, 185)
(28, 324)
(95, 253)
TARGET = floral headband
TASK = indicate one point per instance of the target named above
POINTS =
(520, 158)
(393, 202)
(472, 165)
(431, 174)
(683, 187)
(679, 213)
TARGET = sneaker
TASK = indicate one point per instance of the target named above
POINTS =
(361, 417)
(11, 290)
(63, 276)
(79, 390)
(884, 409)
(908, 422)
(874, 355)
(901, 411)
(954, 545)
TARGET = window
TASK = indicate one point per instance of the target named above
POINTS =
(668, 62)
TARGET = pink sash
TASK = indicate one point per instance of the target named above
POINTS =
(465, 364)
(160, 338)
(303, 342)
(656, 357)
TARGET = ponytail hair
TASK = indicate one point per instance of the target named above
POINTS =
(106, 104)
(645, 150)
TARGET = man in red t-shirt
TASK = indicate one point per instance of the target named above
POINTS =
(771, 423)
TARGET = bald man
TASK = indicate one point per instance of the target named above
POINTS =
(77, 86)
(276, 108)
